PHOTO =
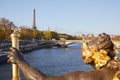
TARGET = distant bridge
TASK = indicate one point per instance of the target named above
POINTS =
(64, 43)
(67, 42)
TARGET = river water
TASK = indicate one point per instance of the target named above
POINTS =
(55, 61)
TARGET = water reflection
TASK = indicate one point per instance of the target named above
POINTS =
(75, 45)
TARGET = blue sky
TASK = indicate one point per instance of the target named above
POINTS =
(65, 16)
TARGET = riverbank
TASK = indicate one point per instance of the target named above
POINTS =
(24, 49)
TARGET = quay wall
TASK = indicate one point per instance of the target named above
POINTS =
(31, 45)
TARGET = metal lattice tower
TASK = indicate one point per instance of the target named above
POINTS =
(34, 20)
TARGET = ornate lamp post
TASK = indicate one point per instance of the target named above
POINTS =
(15, 43)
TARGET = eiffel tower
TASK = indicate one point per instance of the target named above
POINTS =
(34, 20)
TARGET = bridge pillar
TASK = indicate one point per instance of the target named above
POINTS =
(64, 46)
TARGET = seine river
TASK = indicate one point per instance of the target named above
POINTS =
(55, 61)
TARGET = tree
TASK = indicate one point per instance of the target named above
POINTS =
(35, 34)
(41, 35)
(54, 35)
(47, 35)
(26, 33)
(62, 35)
(6, 27)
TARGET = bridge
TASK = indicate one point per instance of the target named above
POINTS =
(67, 42)
(64, 43)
